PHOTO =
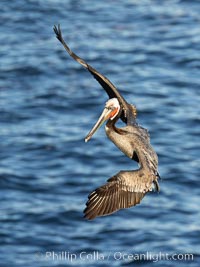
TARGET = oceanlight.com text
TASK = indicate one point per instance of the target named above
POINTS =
(66, 256)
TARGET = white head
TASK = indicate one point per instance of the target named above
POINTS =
(110, 111)
(113, 106)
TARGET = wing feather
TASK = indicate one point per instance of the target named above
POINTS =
(123, 190)
(107, 85)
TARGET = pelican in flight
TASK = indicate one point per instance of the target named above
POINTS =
(126, 188)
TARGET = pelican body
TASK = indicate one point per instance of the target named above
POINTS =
(126, 188)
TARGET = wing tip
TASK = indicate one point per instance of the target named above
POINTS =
(57, 31)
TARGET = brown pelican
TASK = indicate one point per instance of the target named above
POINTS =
(126, 188)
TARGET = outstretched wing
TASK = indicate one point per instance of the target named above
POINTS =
(110, 89)
(125, 189)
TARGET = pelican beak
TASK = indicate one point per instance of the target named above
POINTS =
(104, 116)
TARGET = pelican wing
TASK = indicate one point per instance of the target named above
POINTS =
(125, 189)
(110, 89)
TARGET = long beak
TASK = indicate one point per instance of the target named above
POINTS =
(104, 116)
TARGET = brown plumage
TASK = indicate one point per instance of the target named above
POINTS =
(126, 188)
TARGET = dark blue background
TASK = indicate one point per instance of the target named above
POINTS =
(151, 51)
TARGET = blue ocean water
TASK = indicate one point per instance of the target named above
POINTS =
(151, 51)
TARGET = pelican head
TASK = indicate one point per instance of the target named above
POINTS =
(110, 111)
